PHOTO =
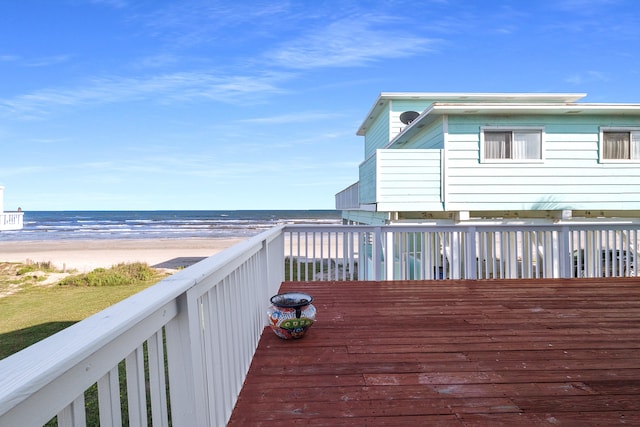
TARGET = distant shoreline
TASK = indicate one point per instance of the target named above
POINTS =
(89, 254)
(136, 225)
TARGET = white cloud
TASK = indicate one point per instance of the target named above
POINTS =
(182, 86)
(587, 76)
(348, 42)
(118, 4)
(44, 61)
(291, 118)
(9, 58)
(47, 61)
(192, 23)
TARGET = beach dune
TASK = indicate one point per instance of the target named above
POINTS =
(87, 255)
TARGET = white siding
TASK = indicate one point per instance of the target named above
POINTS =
(409, 177)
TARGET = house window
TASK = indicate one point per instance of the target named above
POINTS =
(512, 144)
(620, 145)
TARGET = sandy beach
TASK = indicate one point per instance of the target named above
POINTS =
(86, 255)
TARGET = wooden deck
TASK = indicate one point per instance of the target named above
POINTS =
(500, 352)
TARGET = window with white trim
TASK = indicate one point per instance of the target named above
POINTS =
(499, 144)
(620, 145)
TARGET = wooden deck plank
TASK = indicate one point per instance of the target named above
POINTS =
(468, 353)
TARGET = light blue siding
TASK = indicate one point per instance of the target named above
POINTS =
(400, 106)
(569, 177)
(367, 186)
(378, 135)
(431, 136)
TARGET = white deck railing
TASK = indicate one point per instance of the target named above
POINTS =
(178, 352)
(11, 220)
(349, 198)
(406, 252)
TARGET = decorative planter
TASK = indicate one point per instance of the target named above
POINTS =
(291, 314)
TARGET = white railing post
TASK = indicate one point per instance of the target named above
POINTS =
(376, 254)
(188, 393)
(565, 255)
(471, 261)
(390, 256)
(272, 267)
(454, 253)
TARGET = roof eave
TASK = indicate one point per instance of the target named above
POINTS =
(385, 97)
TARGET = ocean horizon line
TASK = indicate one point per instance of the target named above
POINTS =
(153, 224)
(183, 210)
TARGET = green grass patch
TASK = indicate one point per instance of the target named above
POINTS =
(45, 267)
(35, 312)
(118, 275)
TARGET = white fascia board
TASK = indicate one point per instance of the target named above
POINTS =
(437, 97)
(381, 101)
(489, 97)
(534, 108)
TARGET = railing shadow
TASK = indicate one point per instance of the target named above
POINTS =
(14, 341)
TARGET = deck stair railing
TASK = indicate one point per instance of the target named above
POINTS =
(11, 220)
(178, 353)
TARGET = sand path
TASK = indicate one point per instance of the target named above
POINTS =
(86, 255)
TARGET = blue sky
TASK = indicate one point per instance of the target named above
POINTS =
(203, 104)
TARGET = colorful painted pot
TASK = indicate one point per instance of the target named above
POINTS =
(291, 314)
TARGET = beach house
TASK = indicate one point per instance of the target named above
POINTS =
(451, 158)
(9, 220)
(516, 161)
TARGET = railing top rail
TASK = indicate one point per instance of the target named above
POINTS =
(460, 227)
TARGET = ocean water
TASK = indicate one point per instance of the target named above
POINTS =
(79, 225)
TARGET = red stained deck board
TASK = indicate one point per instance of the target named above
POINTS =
(490, 352)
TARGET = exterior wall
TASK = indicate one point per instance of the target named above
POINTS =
(400, 106)
(569, 177)
(404, 178)
(1, 199)
(430, 137)
(377, 136)
(368, 181)
(409, 180)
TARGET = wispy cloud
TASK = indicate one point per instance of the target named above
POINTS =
(44, 61)
(193, 23)
(47, 61)
(9, 58)
(587, 76)
(584, 7)
(348, 42)
(291, 118)
(184, 86)
(118, 4)
(157, 61)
